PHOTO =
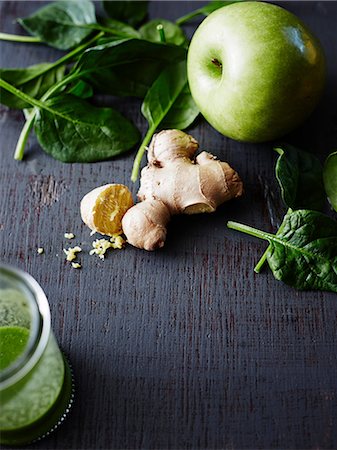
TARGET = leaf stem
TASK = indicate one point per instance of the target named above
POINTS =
(26, 98)
(19, 38)
(262, 260)
(139, 156)
(161, 32)
(249, 230)
(188, 17)
(107, 30)
(57, 86)
(20, 146)
(69, 56)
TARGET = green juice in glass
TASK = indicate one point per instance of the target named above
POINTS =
(13, 341)
(35, 379)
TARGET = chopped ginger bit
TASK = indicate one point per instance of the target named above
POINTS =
(71, 252)
(117, 241)
(100, 246)
(76, 265)
(69, 235)
(40, 250)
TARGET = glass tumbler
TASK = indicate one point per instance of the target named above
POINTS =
(36, 387)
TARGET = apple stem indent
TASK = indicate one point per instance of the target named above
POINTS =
(217, 63)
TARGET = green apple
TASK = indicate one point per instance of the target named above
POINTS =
(255, 71)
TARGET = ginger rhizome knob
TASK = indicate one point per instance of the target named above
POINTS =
(175, 182)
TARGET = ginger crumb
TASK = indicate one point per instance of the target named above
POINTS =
(117, 241)
(69, 235)
(71, 253)
(76, 265)
(100, 246)
(40, 250)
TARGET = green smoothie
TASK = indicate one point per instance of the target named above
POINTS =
(34, 404)
(13, 341)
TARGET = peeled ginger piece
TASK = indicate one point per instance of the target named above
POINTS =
(103, 208)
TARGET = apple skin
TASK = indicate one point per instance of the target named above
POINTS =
(255, 71)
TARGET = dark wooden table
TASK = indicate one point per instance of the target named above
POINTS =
(184, 347)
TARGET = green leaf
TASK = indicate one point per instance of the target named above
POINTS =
(126, 67)
(164, 93)
(81, 89)
(330, 179)
(33, 80)
(163, 104)
(71, 130)
(182, 113)
(205, 10)
(304, 253)
(61, 24)
(120, 28)
(173, 33)
(132, 12)
(300, 177)
(57, 87)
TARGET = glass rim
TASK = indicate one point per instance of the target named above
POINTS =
(39, 331)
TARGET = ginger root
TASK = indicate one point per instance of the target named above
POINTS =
(102, 209)
(174, 183)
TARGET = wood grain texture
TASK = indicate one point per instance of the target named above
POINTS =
(184, 348)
